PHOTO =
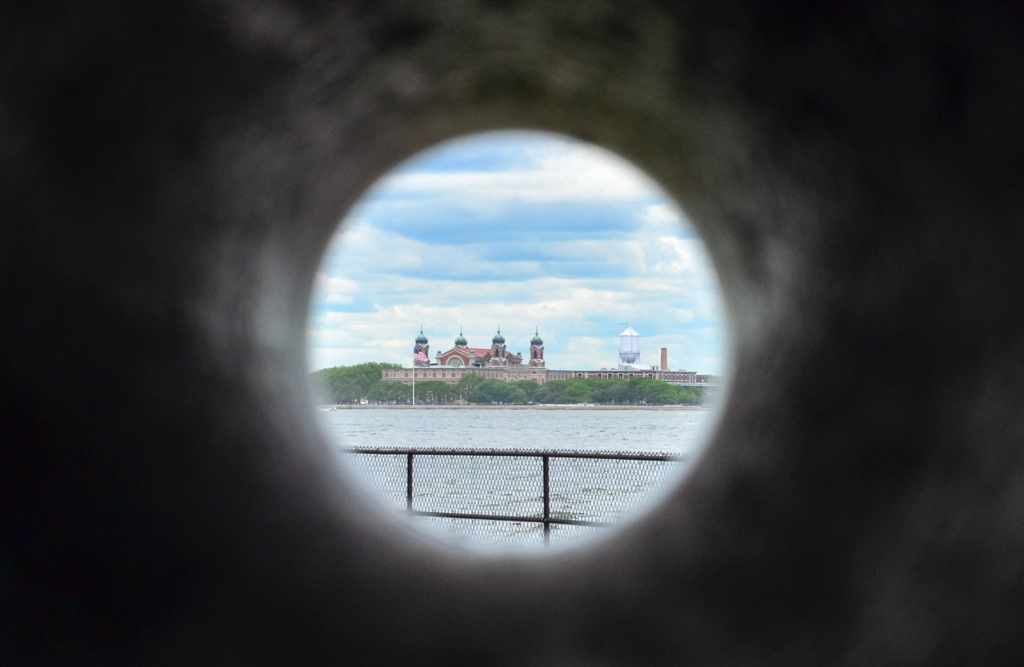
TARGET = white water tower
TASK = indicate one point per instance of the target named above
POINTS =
(629, 347)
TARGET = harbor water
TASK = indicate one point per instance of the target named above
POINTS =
(581, 489)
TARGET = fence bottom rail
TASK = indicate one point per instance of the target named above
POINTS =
(503, 517)
(600, 484)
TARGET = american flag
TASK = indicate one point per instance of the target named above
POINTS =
(417, 355)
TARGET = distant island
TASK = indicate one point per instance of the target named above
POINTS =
(363, 384)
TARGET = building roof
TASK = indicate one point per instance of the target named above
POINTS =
(465, 351)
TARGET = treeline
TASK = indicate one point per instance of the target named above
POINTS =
(635, 391)
(350, 384)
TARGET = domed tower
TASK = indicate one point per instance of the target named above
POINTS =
(629, 347)
(536, 350)
(461, 340)
(498, 348)
(421, 351)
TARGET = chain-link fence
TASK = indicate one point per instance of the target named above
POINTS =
(518, 496)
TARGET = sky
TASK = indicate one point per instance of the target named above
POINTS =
(517, 230)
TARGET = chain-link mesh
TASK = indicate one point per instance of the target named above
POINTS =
(387, 472)
(603, 490)
(506, 486)
(499, 496)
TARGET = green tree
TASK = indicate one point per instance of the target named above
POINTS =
(496, 391)
(348, 384)
(640, 388)
(691, 395)
(552, 391)
(617, 391)
(516, 396)
(661, 393)
(606, 391)
(390, 392)
(467, 383)
(577, 391)
(435, 391)
(529, 388)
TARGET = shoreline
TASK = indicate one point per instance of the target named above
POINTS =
(538, 406)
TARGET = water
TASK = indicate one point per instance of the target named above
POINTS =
(580, 489)
(669, 430)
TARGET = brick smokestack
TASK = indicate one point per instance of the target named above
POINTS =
(664, 358)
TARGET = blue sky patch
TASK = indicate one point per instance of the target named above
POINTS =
(520, 229)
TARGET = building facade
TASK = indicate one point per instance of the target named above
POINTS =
(495, 356)
(452, 374)
(497, 363)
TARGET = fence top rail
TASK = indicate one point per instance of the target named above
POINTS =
(560, 453)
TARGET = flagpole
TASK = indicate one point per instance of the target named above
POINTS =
(415, 351)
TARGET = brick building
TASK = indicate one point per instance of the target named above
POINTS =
(495, 362)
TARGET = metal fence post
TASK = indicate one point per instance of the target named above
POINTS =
(408, 482)
(547, 502)
(564, 519)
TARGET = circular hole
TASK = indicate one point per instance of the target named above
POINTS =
(529, 324)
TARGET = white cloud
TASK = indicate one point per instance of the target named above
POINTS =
(589, 352)
(561, 308)
(658, 213)
(578, 173)
(335, 290)
(577, 291)
(675, 256)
